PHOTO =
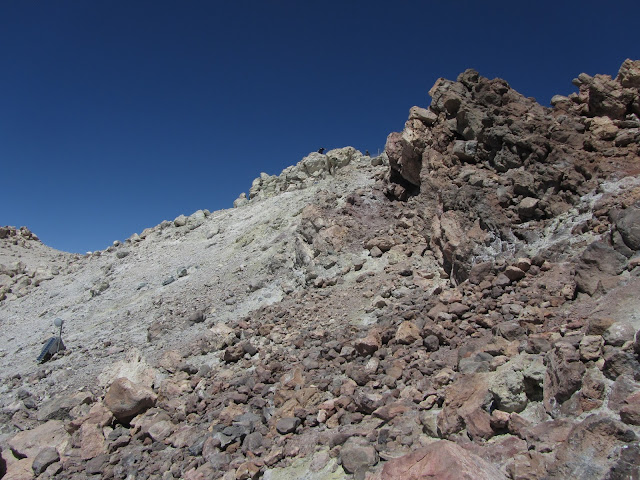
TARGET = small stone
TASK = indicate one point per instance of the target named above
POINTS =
(591, 347)
(252, 442)
(514, 273)
(96, 465)
(233, 353)
(368, 402)
(527, 207)
(247, 471)
(510, 330)
(357, 454)
(181, 272)
(431, 343)
(599, 325)
(287, 425)
(501, 281)
(523, 264)
(196, 317)
(369, 344)
(407, 333)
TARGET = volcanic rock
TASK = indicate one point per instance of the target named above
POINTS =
(460, 305)
(126, 399)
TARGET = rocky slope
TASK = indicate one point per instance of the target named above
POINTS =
(465, 306)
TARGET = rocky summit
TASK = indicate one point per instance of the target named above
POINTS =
(464, 306)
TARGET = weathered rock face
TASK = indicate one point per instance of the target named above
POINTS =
(509, 175)
(443, 460)
(469, 310)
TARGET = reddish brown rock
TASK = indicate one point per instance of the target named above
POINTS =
(383, 243)
(591, 347)
(545, 436)
(514, 273)
(126, 399)
(466, 405)
(20, 470)
(407, 333)
(404, 160)
(98, 415)
(442, 460)
(563, 376)
(92, 441)
(630, 414)
(480, 272)
(592, 448)
(30, 442)
(369, 344)
(599, 268)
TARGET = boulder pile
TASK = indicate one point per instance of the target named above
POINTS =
(473, 314)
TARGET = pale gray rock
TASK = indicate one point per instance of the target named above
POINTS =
(180, 221)
(357, 455)
(240, 201)
(465, 150)
(618, 334)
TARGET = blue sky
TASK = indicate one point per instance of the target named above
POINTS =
(116, 115)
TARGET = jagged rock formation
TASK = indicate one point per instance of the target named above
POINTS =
(305, 173)
(468, 308)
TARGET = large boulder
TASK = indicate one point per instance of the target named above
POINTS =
(30, 443)
(628, 224)
(442, 460)
(594, 449)
(466, 405)
(598, 268)
(563, 376)
(126, 399)
(405, 161)
(629, 74)
(605, 96)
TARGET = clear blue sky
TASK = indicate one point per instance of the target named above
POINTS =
(116, 115)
